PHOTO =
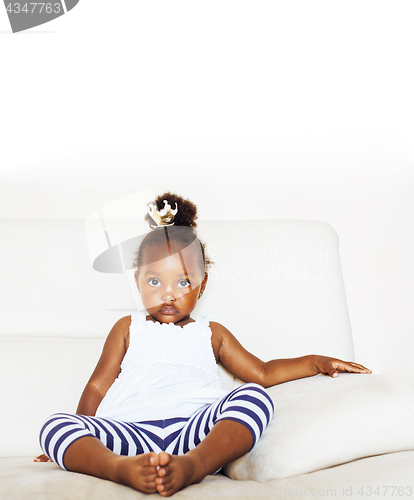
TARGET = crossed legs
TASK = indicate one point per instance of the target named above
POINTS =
(163, 473)
(124, 452)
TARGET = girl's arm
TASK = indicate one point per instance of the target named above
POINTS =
(247, 367)
(278, 371)
(107, 369)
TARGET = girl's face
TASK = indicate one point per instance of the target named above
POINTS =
(170, 283)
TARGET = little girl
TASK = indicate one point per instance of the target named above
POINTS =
(154, 415)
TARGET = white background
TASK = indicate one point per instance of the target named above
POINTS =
(252, 109)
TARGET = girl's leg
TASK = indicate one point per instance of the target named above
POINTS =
(102, 448)
(88, 455)
(214, 437)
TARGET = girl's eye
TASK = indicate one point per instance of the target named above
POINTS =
(154, 282)
(183, 283)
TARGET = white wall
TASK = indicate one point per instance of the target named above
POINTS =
(266, 109)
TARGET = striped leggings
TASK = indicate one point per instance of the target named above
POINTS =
(249, 404)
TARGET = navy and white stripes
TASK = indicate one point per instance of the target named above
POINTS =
(249, 404)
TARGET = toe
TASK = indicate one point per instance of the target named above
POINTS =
(153, 459)
(150, 489)
(149, 471)
(150, 480)
(164, 471)
(162, 480)
(165, 489)
(167, 493)
(164, 458)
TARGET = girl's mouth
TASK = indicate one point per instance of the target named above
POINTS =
(168, 310)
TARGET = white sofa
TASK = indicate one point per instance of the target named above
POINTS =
(277, 285)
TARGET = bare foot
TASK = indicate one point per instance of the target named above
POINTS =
(138, 472)
(42, 458)
(176, 472)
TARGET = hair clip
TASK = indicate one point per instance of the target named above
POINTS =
(163, 217)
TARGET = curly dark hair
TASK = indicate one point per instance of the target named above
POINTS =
(182, 232)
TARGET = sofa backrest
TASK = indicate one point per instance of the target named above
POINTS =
(277, 285)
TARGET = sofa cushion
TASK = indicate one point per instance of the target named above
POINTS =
(321, 421)
(22, 479)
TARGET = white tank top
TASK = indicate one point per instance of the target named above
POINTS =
(168, 371)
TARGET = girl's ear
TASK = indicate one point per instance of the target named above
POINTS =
(137, 280)
(203, 285)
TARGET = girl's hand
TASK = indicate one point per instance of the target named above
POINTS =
(331, 366)
(42, 458)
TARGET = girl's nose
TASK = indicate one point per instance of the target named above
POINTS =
(168, 295)
(168, 298)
